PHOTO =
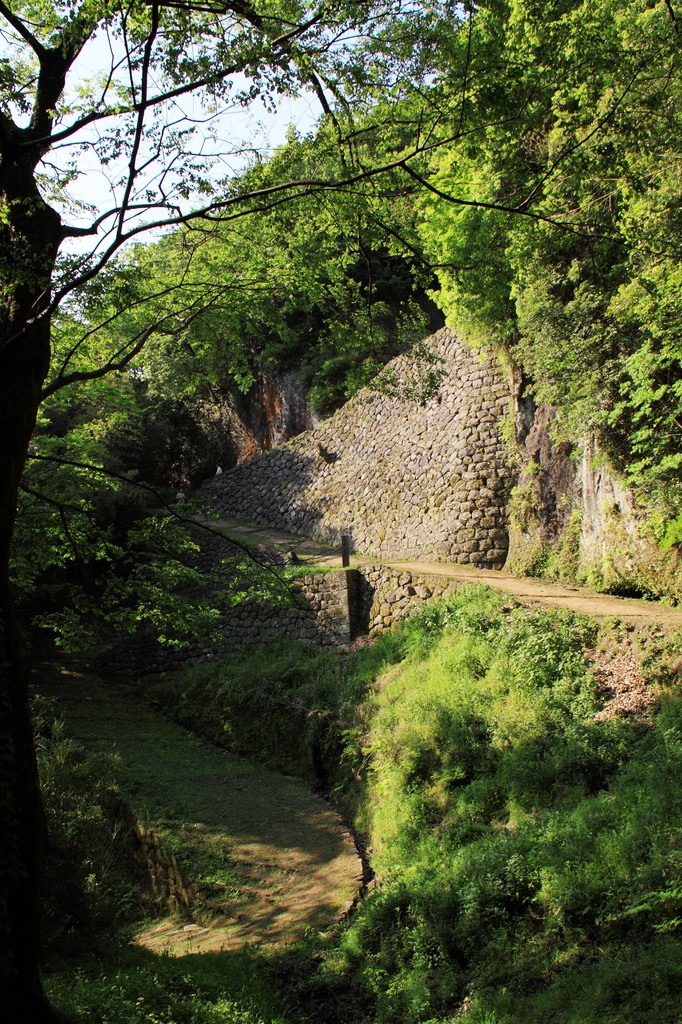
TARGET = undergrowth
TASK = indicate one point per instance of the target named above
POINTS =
(88, 886)
(528, 853)
(139, 988)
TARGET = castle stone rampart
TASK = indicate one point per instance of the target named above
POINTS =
(402, 477)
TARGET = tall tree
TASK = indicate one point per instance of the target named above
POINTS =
(153, 119)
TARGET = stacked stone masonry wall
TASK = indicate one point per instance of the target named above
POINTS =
(388, 595)
(318, 613)
(329, 610)
(403, 478)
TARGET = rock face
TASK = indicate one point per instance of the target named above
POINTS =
(571, 518)
(402, 475)
(242, 426)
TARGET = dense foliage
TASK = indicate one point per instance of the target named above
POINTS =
(545, 207)
(527, 848)
(544, 204)
(578, 141)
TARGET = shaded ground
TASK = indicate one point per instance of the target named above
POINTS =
(279, 542)
(526, 590)
(269, 860)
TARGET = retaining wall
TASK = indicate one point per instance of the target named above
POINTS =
(329, 610)
(386, 595)
(318, 613)
(402, 475)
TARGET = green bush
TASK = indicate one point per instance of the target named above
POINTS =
(516, 836)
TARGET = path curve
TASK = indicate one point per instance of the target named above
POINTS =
(292, 863)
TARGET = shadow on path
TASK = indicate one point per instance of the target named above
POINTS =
(274, 859)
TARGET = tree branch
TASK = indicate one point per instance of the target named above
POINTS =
(21, 29)
(170, 509)
(498, 207)
(127, 352)
(40, 496)
(280, 44)
(111, 366)
(673, 18)
(132, 170)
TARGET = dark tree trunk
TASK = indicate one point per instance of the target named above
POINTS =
(29, 237)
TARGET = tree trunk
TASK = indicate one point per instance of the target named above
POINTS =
(29, 237)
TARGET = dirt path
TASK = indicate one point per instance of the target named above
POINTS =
(270, 860)
(577, 599)
(526, 590)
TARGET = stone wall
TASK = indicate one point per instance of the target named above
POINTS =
(402, 475)
(386, 595)
(330, 610)
(318, 613)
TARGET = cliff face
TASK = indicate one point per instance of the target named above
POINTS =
(239, 427)
(415, 468)
(571, 517)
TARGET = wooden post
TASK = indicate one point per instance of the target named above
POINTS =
(345, 550)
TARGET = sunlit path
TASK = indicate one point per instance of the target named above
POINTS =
(265, 860)
(527, 590)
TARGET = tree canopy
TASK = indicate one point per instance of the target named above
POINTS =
(152, 120)
(581, 286)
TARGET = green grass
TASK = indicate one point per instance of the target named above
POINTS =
(285, 704)
(214, 988)
(528, 853)
(520, 843)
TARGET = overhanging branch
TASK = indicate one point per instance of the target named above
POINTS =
(169, 509)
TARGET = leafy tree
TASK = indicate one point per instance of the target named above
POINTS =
(317, 285)
(580, 138)
(170, 69)
(546, 137)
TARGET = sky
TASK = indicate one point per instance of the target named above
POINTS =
(239, 133)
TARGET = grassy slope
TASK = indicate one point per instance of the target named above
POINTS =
(528, 851)
(268, 860)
